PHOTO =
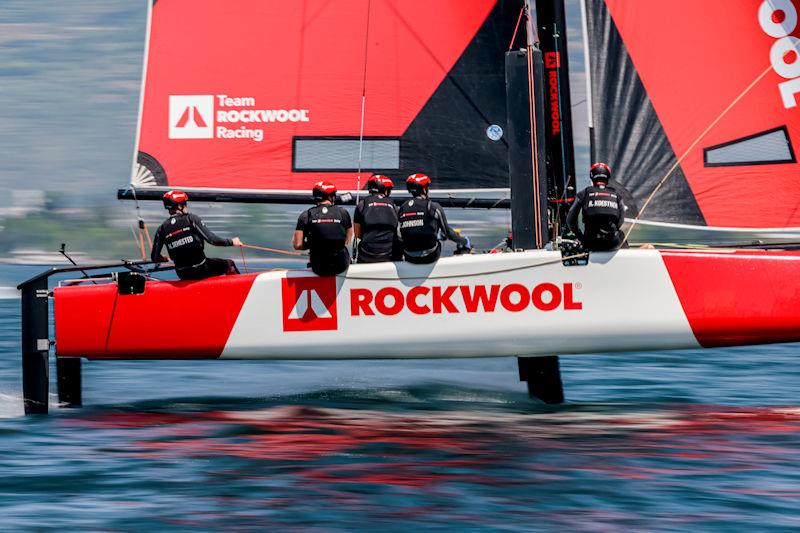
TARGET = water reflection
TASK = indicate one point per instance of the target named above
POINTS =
(581, 467)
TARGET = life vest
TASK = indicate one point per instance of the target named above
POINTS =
(379, 213)
(418, 225)
(601, 210)
(183, 242)
(326, 231)
(378, 229)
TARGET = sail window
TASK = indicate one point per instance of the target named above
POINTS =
(341, 154)
(764, 148)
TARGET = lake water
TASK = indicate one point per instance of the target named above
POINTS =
(660, 441)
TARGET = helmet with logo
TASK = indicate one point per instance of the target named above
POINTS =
(375, 184)
(323, 190)
(388, 184)
(175, 199)
(600, 172)
(417, 184)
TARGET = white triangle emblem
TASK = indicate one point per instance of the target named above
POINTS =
(309, 298)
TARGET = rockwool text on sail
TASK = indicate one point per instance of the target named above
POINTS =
(255, 115)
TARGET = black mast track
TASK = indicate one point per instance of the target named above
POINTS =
(551, 26)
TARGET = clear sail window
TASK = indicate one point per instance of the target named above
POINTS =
(764, 148)
(341, 154)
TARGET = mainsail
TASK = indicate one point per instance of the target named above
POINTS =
(697, 102)
(271, 95)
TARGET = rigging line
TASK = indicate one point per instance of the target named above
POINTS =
(473, 275)
(534, 152)
(534, 137)
(274, 250)
(514, 37)
(363, 109)
(244, 261)
(139, 242)
(695, 143)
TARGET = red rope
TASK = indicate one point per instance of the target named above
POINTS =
(274, 250)
(513, 37)
(244, 261)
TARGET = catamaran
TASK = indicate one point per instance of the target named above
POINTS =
(694, 105)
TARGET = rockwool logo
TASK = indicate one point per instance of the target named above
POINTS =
(552, 60)
(191, 116)
(309, 304)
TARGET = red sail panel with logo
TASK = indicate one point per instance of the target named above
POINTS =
(711, 88)
(267, 94)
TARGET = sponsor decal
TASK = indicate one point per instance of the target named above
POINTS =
(191, 117)
(456, 299)
(778, 19)
(552, 59)
(552, 94)
(225, 117)
(494, 132)
(309, 304)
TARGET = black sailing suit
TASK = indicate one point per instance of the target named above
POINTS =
(603, 215)
(420, 221)
(377, 216)
(324, 230)
(184, 235)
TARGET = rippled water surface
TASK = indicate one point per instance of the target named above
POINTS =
(696, 440)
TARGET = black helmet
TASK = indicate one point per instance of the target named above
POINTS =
(600, 172)
(174, 199)
(375, 184)
(323, 190)
(417, 184)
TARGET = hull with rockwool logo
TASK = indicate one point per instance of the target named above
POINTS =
(525, 303)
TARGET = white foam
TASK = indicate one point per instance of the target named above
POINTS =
(9, 293)
(11, 405)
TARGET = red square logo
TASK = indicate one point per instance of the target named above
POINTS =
(552, 60)
(309, 304)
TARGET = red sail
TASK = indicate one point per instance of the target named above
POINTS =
(712, 87)
(267, 94)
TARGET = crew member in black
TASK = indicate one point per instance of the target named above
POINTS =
(602, 210)
(325, 230)
(183, 234)
(375, 223)
(421, 221)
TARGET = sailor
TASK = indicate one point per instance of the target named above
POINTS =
(184, 234)
(375, 223)
(602, 210)
(421, 221)
(325, 230)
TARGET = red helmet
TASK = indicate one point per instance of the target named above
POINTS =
(376, 184)
(323, 190)
(174, 199)
(600, 172)
(388, 184)
(417, 183)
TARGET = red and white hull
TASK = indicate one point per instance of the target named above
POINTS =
(524, 303)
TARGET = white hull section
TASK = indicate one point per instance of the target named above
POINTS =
(619, 301)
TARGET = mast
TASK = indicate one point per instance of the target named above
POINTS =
(551, 25)
(587, 62)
